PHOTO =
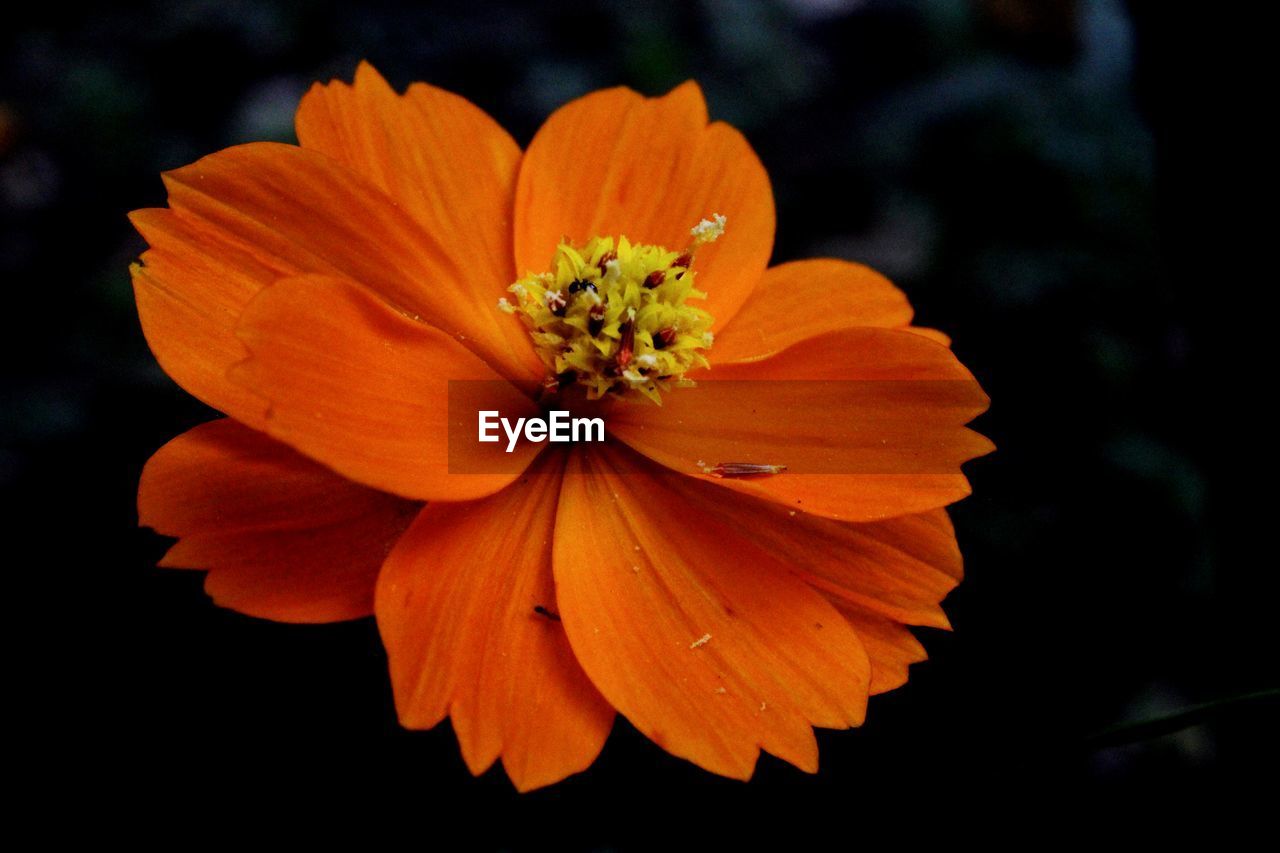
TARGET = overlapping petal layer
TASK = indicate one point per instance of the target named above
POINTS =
(190, 287)
(880, 575)
(706, 642)
(869, 422)
(456, 610)
(366, 390)
(901, 568)
(805, 299)
(890, 645)
(292, 211)
(452, 169)
(283, 537)
(616, 163)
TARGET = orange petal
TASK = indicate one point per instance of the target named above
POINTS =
(805, 299)
(366, 391)
(869, 422)
(890, 645)
(614, 163)
(901, 568)
(879, 575)
(445, 163)
(190, 288)
(302, 212)
(931, 334)
(704, 641)
(282, 537)
(455, 606)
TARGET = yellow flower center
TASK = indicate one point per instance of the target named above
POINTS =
(614, 317)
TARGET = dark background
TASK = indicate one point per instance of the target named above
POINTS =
(1067, 187)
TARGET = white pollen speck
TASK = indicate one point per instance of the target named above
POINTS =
(700, 642)
(762, 706)
(635, 569)
(721, 691)
(504, 305)
(612, 271)
(792, 512)
(647, 360)
(708, 230)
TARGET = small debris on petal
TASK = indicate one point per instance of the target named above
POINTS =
(739, 469)
(721, 691)
(708, 230)
(700, 642)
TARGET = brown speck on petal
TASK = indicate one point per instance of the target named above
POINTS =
(550, 614)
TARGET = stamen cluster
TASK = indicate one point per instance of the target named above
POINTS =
(613, 317)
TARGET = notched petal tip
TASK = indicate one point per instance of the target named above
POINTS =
(690, 93)
(454, 607)
(281, 537)
(713, 665)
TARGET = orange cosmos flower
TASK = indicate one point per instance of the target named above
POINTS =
(327, 296)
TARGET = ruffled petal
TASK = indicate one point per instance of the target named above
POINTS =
(296, 211)
(616, 163)
(456, 608)
(282, 537)
(704, 641)
(445, 163)
(868, 422)
(374, 394)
